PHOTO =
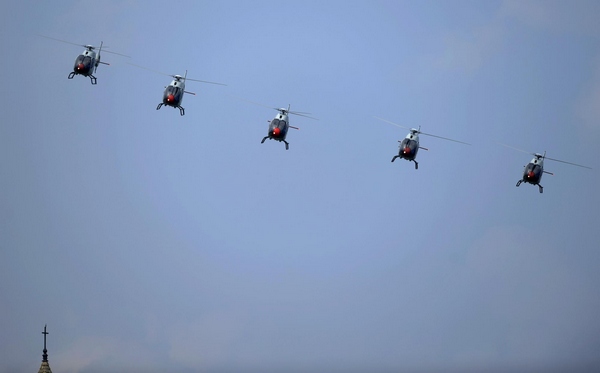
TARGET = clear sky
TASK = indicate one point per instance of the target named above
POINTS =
(152, 242)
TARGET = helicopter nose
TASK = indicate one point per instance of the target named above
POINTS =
(530, 174)
(170, 98)
(80, 66)
(276, 131)
(406, 150)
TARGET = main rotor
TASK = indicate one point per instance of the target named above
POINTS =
(415, 131)
(287, 111)
(177, 77)
(89, 47)
(539, 156)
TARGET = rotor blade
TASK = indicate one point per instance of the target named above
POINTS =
(191, 93)
(62, 41)
(298, 112)
(296, 128)
(392, 123)
(204, 81)
(517, 149)
(573, 164)
(145, 68)
(254, 103)
(444, 138)
(118, 54)
(84, 45)
(301, 115)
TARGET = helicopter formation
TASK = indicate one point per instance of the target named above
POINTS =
(86, 64)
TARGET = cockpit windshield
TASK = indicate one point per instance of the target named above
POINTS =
(408, 143)
(172, 90)
(278, 123)
(535, 168)
(173, 95)
(85, 60)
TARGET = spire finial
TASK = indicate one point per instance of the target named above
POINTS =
(45, 355)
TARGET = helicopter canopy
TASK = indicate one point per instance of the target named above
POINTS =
(83, 63)
(278, 123)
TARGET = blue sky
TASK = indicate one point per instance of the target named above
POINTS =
(148, 241)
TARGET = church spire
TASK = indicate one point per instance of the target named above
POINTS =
(45, 367)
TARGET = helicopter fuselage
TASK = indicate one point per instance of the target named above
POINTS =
(84, 63)
(173, 95)
(409, 147)
(278, 127)
(533, 171)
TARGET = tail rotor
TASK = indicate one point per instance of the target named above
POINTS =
(98, 60)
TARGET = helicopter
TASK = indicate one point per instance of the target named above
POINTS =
(278, 126)
(534, 170)
(87, 62)
(409, 147)
(173, 94)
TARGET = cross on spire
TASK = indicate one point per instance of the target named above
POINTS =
(45, 355)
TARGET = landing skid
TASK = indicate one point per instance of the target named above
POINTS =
(92, 78)
(287, 145)
(541, 188)
(181, 109)
(416, 164)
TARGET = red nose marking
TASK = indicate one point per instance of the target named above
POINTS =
(407, 150)
(80, 66)
(276, 131)
(530, 174)
(170, 98)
